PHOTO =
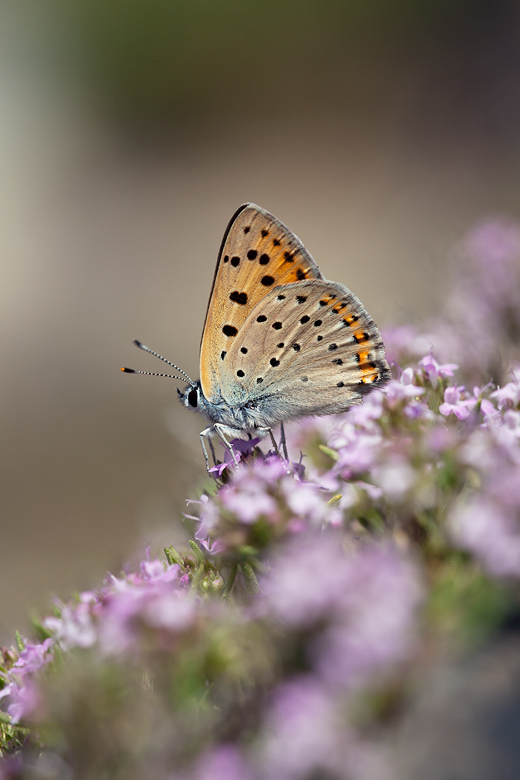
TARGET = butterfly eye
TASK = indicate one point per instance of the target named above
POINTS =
(192, 398)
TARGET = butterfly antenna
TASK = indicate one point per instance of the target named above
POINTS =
(149, 373)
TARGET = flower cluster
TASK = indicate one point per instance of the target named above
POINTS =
(480, 326)
(276, 645)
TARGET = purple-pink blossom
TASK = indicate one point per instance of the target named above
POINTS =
(398, 390)
(508, 397)
(224, 762)
(434, 371)
(21, 689)
(305, 734)
(374, 625)
(455, 403)
(491, 532)
(306, 580)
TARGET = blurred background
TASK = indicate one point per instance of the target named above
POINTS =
(130, 131)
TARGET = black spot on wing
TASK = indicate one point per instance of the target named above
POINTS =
(238, 297)
(229, 330)
(332, 347)
(240, 373)
(261, 318)
(264, 232)
(264, 259)
(301, 298)
(276, 325)
(338, 361)
(226, 259)
(296, 347)
(243, 350)
(280, 297)
(259, 380)
(301, 274)
(235, 261)
(276, 242)
(267, 281)
(247, 229)
(340, 384)
(274, 362)
(317, 323)
(305, 319)
(251, 255)
(223, 355)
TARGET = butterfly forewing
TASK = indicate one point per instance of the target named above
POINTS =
(258, 253)
(310, 345)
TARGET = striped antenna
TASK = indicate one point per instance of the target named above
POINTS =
(150, 373)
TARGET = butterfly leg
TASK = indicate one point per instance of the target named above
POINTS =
(218, 430)
(273, 441)
(206, 432)
(283, 442)
(213, 454)
(269, 431)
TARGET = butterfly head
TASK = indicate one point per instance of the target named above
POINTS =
(192, 397)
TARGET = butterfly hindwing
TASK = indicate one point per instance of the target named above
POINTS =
(310, 348)
(258, 253)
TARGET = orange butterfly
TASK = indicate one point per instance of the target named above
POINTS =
(279, 342)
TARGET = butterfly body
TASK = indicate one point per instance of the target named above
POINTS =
(236, 421)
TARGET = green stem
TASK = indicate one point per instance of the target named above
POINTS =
(252, 585)
(228, 587)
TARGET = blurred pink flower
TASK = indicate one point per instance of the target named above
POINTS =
(375, 623)
(508, 396)
(490, 532)
(454, 403)
(434, 371)
(24, 699)
(306, 580)
(305, 735)
(224, 762)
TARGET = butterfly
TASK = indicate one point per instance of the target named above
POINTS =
(279, 341)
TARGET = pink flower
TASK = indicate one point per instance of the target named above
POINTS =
(248, 499)
(24, 699)
(33, 657)
(209, 517)
(508, 396)
(305, 500)
(491, 533)
(454, 403)
(305, 735)
(306, 580)
(357, 450)
(373, 628)
(395, 477)
(434, 371)
(403, 388)
(222, 763)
